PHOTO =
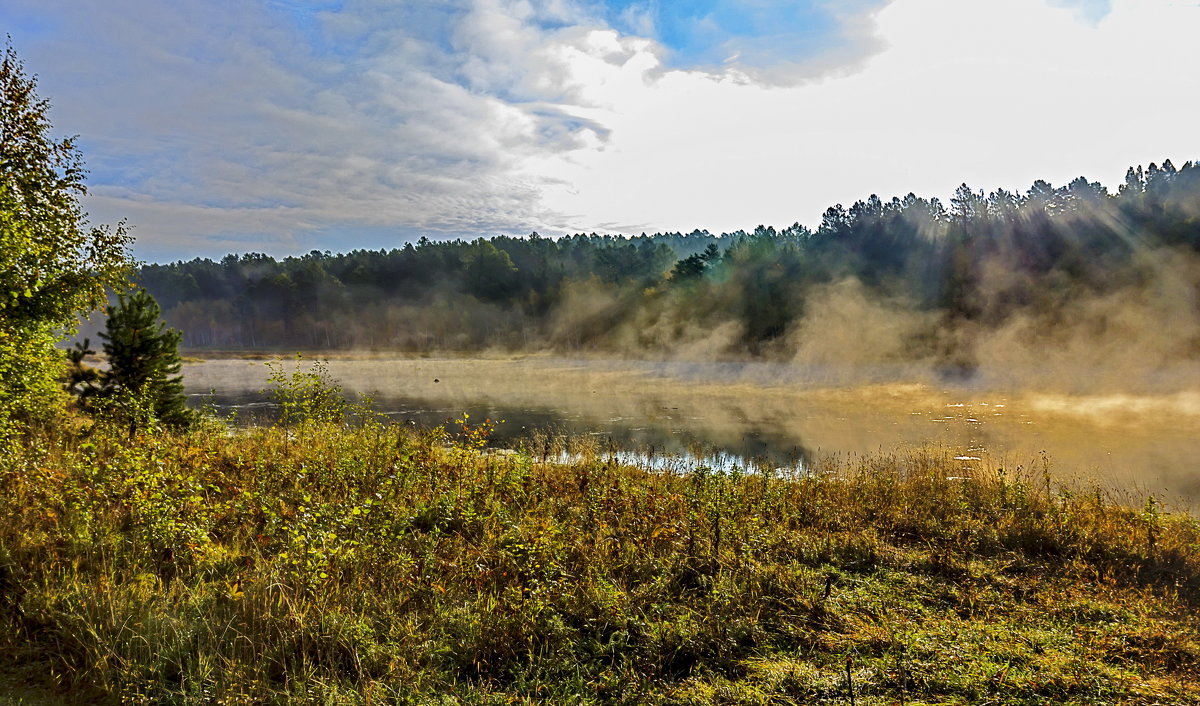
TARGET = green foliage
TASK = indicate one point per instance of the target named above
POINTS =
(694, 266)
(491, 274)
(307, 395)
(53, 267)
(1057, 247)
(82, 381)
(374, 565)
(142, 381)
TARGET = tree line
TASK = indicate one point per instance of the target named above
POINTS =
(947, 271)
(982, 258)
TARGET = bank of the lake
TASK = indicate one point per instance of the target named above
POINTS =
(329, 564)
(1133, 437)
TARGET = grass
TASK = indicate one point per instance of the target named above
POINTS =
(326, 563)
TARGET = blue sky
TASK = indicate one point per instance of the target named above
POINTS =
(286, 125)
(710, 32)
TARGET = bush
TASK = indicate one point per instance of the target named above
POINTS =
(307, 396)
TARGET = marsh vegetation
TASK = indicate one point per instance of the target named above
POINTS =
(678, 415)
(328, 562)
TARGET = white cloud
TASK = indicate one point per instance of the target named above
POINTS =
(214, 123)
(222, 119)
(996, 94)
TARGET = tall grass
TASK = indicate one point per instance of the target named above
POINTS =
(330, 563)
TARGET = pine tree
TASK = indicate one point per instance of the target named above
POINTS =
(143, 360)
(82, 380)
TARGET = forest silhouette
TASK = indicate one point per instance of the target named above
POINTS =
(914, 279)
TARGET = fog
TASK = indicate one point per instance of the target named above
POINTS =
(1139, 443)
(1062, 323)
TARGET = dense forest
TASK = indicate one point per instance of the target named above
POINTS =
(913, 273)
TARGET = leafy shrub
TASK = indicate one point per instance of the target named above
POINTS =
(307, 395)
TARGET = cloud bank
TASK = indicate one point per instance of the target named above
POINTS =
(218, 125)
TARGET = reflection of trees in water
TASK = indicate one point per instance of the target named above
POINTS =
(656, 432)
(755, 411)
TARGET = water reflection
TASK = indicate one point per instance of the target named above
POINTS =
(730, 416)
(662, 438)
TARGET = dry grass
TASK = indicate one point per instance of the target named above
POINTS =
(326, 563)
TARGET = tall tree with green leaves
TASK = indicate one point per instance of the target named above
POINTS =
(143, 363)
(53, 266)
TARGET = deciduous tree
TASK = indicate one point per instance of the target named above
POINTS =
(53, 266)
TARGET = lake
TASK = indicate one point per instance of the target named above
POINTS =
(755, 415)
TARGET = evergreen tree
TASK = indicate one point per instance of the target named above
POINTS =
(82, 380)
(143, 360)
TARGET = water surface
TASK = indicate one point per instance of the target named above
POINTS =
(737, 415)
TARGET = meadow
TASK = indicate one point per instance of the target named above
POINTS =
(152, 556)
(333, 558)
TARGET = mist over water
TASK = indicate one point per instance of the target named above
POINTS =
(677, 414)
(1060, 324)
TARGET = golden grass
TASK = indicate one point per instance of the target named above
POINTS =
(326, 563)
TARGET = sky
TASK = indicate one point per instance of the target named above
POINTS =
(283, 126)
